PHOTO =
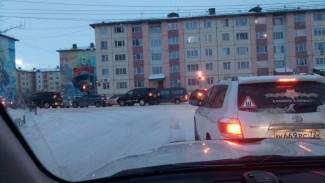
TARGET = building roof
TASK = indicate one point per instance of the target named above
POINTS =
(79, 48)
(8, 37)
(153, 20)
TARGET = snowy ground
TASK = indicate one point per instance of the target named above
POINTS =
(72, 142)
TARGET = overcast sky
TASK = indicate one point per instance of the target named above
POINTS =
(44, 26)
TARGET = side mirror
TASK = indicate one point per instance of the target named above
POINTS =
(195, 102)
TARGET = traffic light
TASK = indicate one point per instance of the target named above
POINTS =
(200, 75)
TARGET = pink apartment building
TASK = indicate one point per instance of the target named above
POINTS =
(168, 52)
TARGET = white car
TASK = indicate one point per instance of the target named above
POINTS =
(263, 107)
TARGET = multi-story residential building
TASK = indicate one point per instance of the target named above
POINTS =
(48, 79)
(168, 52)
(78, 70)
(8, 85)
(26, 82)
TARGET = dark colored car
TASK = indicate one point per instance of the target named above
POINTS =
(45, 99)
(89, 100)
(138, 95)
(175, 95)
(197, 95)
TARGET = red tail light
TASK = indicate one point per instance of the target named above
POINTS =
(230, 126)
(285, 80)
(185, 96)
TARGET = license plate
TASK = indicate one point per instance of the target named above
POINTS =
(297, 134)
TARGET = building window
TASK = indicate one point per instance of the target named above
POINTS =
(319, 17)
(300, 47)
(120, 71)
(173, 26)
(137, 56)
(277, 35)
(225, 37)
(138, 70)
(242, 50)
(192, 39)
(136, 28)
(118, 29)
(209, 66)
(277, 21)
(192, 53)
(137, 42)
(155, 42)
(261, 49)
(225, 51)
(191, 25)
(207, 23)
(299, 18)
(210, 80)
(173, 40)
(192, 67)
(320, 61)
(175, 83)
(155, 29)
(279, 63)
(241, 21)
(208, 38)
(102, 30)
(121, 85)
(192, 81)
(106, 85)
(319, 46)
(139, 84)
(278, 49)
(263, 64)
(260, 20)
(103, 45)
(156, 70)
(105, 72)
(173, 54)
(104, 58)
(174, 69)
(226, 65)
(156, 56)
(208, 52)
(300, 32)
(120, 57)
(301, 62)
(319, 31)
(225, 23)
(261, 35)
(242, 36)
(119, 43)
(243, 65)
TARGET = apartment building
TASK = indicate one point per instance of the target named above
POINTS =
(169, 52)
(48, 79)
(26, 81)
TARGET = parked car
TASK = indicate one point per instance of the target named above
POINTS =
(67, 101)
(197, 95)
(113, 99)
(263, 107)
(45, 99)
(89, 100)
(175, 95)
(138, 95)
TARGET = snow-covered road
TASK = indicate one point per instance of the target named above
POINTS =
(72, 142)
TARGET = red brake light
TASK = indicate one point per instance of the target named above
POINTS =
(199, 94)
(287, 80)
(230, 126)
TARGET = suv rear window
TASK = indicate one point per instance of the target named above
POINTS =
(293, 97)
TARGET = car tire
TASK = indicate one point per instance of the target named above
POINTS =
(74, 105)
(121, 103)
(208, 137)
(196, 135)
(97, 104)
(46, 105)
(177, 101)
(142, 102)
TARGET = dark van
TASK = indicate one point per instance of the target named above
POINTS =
(174, 95)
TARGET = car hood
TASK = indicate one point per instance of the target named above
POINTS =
(213, 150)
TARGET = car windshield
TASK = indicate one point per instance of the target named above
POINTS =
(156, 83)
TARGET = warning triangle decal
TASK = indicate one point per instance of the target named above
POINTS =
(248, 103)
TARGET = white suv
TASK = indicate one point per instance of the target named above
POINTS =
(262, 107)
